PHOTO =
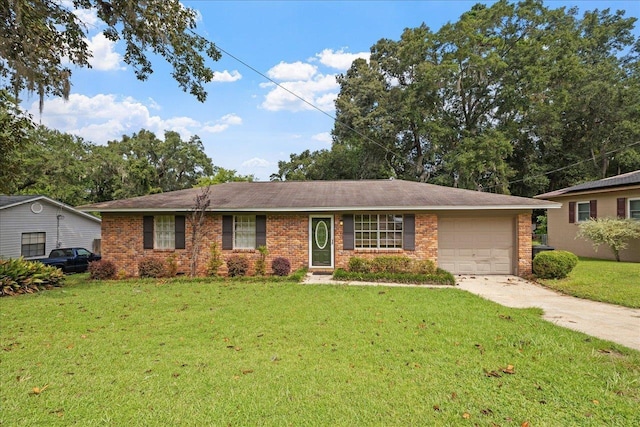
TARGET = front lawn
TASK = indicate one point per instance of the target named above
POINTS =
(602, 280)
(158, 352)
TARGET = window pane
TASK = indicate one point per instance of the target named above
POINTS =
(378, 231)
(244, 232)
(33, 244)
(583, 211)
(634, 209)
(165, 229)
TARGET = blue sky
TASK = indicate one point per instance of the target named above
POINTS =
(247, 123)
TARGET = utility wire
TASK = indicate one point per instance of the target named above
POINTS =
(315, 107)
(568, 166)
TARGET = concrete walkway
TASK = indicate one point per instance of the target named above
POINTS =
(607, 321)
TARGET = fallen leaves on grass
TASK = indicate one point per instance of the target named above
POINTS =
(37, 390)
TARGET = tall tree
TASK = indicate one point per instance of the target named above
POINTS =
(154, 166)
(511, 98)
(38, 38)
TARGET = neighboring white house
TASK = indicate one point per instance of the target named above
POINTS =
(31, 226)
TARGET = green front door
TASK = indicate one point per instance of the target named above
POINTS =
(321, 242)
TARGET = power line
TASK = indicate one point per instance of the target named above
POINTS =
(315, 107)
(568, 166)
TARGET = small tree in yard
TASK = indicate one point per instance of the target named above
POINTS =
(615, 233)
(196, 220)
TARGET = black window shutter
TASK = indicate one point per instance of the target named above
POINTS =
(622, 207)
(409, 233)
(147, 232)
(572, 212)
(593, 209)
(227, 232)
(261, 230)
(180, 232)
(347, 232)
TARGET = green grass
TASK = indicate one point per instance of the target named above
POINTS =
(158, 352)
(602, 280)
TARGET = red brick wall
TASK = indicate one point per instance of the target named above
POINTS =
(524, 244)
(287, 236)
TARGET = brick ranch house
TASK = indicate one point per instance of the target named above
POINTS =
(322, 224)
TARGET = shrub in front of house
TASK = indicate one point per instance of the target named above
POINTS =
(359, 265)
(281, 266)
(439, 277)
(215, 260)
(18, 276)
(151, 267)
(554, 264)
(391, 264)
(102, 270)
(424, 266)
(399, 269)
(237, 265)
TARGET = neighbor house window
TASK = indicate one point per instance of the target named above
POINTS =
(165, 232)
(634, 208)
(244, 232)
(378, 231)
(33, 244)
(583, 211)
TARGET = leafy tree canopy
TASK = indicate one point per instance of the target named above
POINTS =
(221, 175)
(512, 98)
(39, 37)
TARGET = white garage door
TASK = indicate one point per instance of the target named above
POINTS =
(476, 245)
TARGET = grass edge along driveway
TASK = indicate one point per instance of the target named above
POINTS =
(159, 352)
(601, 280)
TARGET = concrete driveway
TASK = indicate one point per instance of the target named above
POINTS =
(607, 321)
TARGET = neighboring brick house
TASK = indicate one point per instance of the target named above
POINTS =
(618, 196)
(321, 224)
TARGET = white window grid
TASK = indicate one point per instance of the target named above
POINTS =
(378, 231)
(33, 244)
(583, 211)
(244, 232)
(165, 232)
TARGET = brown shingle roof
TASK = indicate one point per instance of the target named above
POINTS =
(626, 179)
(324, 196)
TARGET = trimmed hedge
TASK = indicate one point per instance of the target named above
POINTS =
(152, 267)
(18, 276)
(237, 265)
(439, 277)
(281, 266)
(391, 264)
(102, 270)
(554, 264)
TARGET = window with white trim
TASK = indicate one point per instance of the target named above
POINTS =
(382, 231)
(33, 244)
(165, 232)
(634, 208)
(583, 211)
(244, 232)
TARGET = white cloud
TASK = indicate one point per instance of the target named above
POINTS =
(305, 81)
(222, 124)
(313, 91)
(256, 162)
(107, 117)
(226, 76)
(323, 137)
(340, 60)
(292, 71)
(105, 58)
